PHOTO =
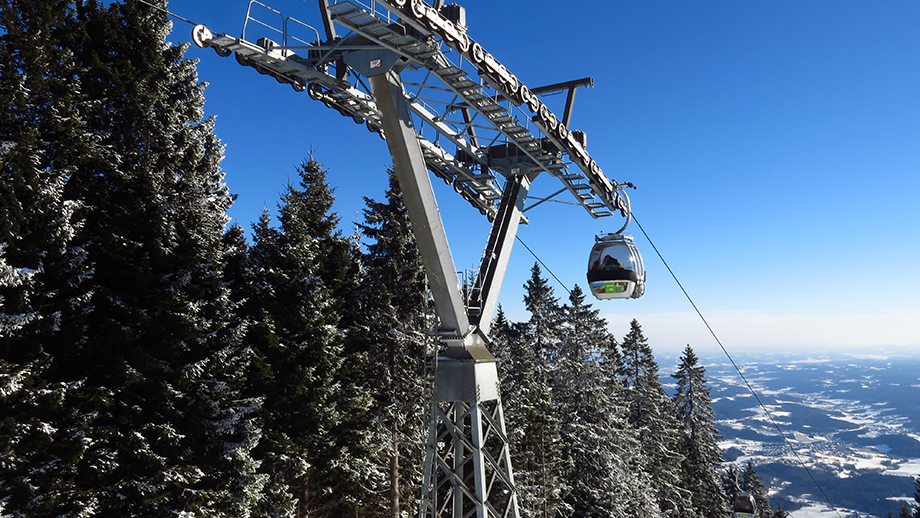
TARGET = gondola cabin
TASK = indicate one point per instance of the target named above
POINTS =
(615, 269)
(744, 506)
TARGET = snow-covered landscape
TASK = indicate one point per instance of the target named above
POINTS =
(851, 420)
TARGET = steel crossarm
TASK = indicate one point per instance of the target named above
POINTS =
(350, 101)
(431, 22)
(410, 30)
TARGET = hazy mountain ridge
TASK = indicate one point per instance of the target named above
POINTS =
(853, 421)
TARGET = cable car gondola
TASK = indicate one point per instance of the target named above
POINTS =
(744, 506)
(615, 269)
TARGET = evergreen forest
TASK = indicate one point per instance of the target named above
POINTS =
(156, 361)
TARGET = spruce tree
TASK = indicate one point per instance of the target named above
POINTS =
(520, 383)
(752, 485)
(506, 346)
(597, 444)
(651, 413)
(156, 207)
(312, 449)
(133, 330)
(395, 316)
(41, 139)
(698, 441)
(237, 274)
(537, 456)
(525, 399)
(42, 266)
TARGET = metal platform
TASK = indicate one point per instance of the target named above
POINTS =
(456, 102)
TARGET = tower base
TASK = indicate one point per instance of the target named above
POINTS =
(467, 469)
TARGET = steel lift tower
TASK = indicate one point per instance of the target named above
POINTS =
(409, 71)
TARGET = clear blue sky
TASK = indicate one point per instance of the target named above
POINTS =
(775, 144)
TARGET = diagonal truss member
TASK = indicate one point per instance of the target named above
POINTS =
(467, 462)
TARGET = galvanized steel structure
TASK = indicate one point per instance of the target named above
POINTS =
(409, 71)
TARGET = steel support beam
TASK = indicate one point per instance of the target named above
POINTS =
(570, 98)
(498, 250)
(467, 469)
(412, 174)
(327, 20)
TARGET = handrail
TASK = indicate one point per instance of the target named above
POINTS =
(287, 32)
(267, 26)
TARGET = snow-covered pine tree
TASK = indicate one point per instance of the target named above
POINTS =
(395, 315)
(279, 455)
(751, 484)
(41, 137)
(42, 267)
(535, 450)
(173, 433)
(237, 273)
(518, 381)
(545, 318)
(520, 384)
(651, 413)
(306, 210)
(644, 495)
(313, 449)
(698, 441)
(129, 309)
(506, 346)
(597, 444)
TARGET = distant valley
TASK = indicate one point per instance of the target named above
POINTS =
(854, 421)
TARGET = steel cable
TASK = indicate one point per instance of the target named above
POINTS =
(730, 359)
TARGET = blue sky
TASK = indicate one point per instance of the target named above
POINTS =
(775, 146)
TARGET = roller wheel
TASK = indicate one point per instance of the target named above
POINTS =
(202, 36)
(315, 91)
(418, 9)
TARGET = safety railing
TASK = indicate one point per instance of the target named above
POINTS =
(283, 33)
